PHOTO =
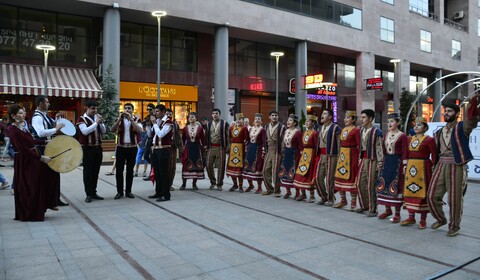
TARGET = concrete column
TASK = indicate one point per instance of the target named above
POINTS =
(437, 94)
(221, 69)
(111, 44)
(300, 73)
(365, 69)
(402, 82)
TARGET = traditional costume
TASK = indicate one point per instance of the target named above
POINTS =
(292, 147)
(236, 158)
(417, 175)
(327, 162)
(161, 157)
(450, 174)
(273, 157)
(217, 143)
(253, 167)
(194, 142)
(305, 172)
(347, 164)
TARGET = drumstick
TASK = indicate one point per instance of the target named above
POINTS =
(52, 157)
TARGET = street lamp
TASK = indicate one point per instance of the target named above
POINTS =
(45, 49)
(158, 15)
(277, 56)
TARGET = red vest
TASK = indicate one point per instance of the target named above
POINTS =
(167, 139)
(89, 139)
(133, 133)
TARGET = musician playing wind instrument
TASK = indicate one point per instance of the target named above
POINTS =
(91, 128)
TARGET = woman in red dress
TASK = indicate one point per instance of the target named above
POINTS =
(305, 173)
(32, 197)
(347, 164)
(238, 140)
(193, 138)
(253, 167)
(418, 173)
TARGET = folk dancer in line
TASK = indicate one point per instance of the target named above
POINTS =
(328, 143)
(236, 156)
(347, 164)
(273, 154)
(162, 151)
(450, 173)
(217, 143)
(128, 130)
(418, 173)
(193, 156)
(291, 148)
(44, 129)
(253, 168)
(390, 183)
(305, 174)
(91, 129)
(371, 162)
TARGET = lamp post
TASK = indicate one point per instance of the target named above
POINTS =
(45, 49)
(277, 56)
(396, 84)
(158, 15)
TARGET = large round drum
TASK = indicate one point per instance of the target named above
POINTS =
(66, 153)
(68, 129)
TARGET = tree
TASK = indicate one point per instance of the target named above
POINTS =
(108, 102)
(301, 123)
(405, 103)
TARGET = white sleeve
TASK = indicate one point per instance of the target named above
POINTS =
(37, 123)
(87, 130)
(165, 129)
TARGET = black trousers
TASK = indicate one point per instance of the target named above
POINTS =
(125, 156)
(92, 159)
(162, 167)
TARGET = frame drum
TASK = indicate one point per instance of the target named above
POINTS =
(66, 153)
(68, 129)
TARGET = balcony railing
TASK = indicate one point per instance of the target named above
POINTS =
(454, 24)
(423, 13)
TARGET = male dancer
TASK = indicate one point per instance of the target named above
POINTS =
(329, 143)
(217, 142)
(450, 173)
(128, 130)
(91, 128)
(273, 155)
(371, 162)
(44, 128)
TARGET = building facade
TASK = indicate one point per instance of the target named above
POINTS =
(217, 53)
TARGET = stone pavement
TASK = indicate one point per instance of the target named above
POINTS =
(223, 235)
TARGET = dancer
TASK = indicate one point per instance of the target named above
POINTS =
(193, 156)
(253, 168)
(291, 148)
(236, 157)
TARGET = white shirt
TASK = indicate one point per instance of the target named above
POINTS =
(37, 123)
(160, 133)
(92, 128)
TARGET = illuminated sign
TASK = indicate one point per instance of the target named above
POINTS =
(256, 86)
(327, 89)
(374, 83)
(148, 91)
(313, 81)
(292, 86)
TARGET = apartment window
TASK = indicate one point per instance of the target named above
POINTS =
(425, 41)
(422, 7)
(390, 1)
(387, 30)
(456, 50)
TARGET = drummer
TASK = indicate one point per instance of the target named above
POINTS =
(44, 129)
(91, 128)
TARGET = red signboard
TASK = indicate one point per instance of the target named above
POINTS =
(374, 83)
(292, 86)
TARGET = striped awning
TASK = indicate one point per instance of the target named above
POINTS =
(62, 82)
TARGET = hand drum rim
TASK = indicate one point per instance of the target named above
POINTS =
(66, 161)
(68, 129)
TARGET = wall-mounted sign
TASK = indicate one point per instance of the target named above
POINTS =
(327, 89)
(313, 81)
(148, 91)
(292, 86)
(374, 83)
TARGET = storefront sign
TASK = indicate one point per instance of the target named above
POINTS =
(30, 39)
(292, 86)
(148, 91)
(327, 89)
(374, 83)
(313, 81)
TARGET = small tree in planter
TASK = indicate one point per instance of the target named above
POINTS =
(108, 102)
(405, 103)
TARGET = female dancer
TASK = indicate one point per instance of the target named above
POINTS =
(238, 138)
(193, 138)
(252, 170)
(292, 146)
(390, 184)
(347, 164)
(418, 173)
